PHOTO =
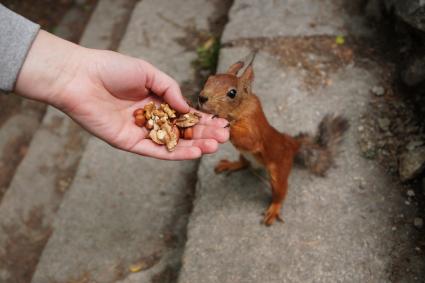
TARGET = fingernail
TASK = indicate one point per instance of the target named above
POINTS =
(214, 116)
(227, 126)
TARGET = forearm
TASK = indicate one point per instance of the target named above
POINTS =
(49, 67)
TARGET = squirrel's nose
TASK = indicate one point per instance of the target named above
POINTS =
(203, 99)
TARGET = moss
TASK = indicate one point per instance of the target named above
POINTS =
(208, 54)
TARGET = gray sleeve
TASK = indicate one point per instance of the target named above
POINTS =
(16, 37)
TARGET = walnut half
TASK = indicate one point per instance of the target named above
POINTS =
(188, 120)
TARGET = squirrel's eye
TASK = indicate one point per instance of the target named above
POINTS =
(231, 93)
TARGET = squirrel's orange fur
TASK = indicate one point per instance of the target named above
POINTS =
(253, 136)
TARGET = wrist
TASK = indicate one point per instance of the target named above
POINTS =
(50, 65)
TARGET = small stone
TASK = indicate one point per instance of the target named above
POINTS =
(407, 202)
(411, 163)
(62, 186)
(418, 222)
(137, 267)
(378, 90)
(410, 193)
(384, 124)
(362, 184)
(4, 275)
(360, 128)
(414, 144)
(393, 228)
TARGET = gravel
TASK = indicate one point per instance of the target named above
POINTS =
(378, 90)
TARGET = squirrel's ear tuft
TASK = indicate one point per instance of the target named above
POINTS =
(248, 76)
(234, 69)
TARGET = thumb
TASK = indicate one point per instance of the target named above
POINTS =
(164, 86)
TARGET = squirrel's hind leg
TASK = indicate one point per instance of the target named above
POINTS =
(229, 166)
(279, 183)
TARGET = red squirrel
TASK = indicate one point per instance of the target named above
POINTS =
(230, 96)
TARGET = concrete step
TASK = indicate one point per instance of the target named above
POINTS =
(337, 229)
(45, 174)
(124, 209)
(15, 135)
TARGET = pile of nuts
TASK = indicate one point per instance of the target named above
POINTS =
(164, 125)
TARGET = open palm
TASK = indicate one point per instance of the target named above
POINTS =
(107, 87)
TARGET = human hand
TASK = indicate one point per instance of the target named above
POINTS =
(101, 89)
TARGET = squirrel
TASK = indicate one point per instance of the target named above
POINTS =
(230, 96)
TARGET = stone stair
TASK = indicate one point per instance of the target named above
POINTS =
(29, 205)
(341, 228)
(87, 212)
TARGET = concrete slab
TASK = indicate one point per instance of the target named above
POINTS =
(256, 18)
(164, 31)
(109, 24)
(253, 18)
(334, 229)
(121, 209)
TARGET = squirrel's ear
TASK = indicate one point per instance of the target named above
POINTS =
(234, 69)
(248, 76)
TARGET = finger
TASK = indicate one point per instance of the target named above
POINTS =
(165, 87)
(207, 119)
(205, 145)
(148, 148)
(211, 132)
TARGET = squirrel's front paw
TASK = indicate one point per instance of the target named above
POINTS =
(272, 214)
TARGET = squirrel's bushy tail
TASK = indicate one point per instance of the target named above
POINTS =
(318, 152)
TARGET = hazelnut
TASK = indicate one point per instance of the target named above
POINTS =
(188, 133)
(138, 111)
(140, 120)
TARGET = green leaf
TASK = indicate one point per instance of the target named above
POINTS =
(340, 40)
